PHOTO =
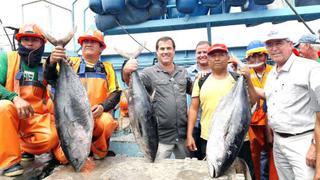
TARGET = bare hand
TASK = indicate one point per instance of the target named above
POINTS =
(191, 145)
(311, 156)
(269, 138)
(24, 108)
(245, 71)
(234, 60)
(316, 175)
(97, 110)
(58, 54)
(130, 66)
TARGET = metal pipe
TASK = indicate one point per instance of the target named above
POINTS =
(84, 18)
(295, 12)
(73, 23)
(209, 32)
(5, 31)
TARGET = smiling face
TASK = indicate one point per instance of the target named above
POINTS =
(202, 54)
(279, 50)
(91, 49)
(31, 43)
(165, 52)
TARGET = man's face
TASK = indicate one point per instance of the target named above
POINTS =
(257, 58)
(165, 52)
(91, 48)
(201, 54)
(31, 43)
(218, 60)
(303, 49)
(279, 50)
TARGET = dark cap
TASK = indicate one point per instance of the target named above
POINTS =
(217, 47)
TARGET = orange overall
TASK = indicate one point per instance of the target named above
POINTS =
(99, 86)
(36, 134)
(257, 128)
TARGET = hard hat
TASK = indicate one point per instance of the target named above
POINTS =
(256, 46)
(94, 35)
(30, 30)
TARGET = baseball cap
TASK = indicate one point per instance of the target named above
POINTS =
(217, 47)
(309, 38)
(274, 34)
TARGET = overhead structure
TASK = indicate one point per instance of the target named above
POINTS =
(140, 16)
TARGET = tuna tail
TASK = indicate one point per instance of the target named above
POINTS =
(63, 41)
(211, 170)
(132, 55)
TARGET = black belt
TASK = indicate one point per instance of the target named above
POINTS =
(285, 135)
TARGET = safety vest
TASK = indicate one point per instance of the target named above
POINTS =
(259, 116)
(35, 92)
(96, 83)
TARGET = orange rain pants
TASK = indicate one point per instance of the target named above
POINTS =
(258, 144)
(98, 91)
(36, 134)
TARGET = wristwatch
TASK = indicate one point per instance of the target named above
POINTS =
(313, 141)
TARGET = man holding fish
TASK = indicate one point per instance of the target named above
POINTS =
(100, 82)
(27, 122)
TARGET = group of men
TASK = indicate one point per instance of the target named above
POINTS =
(285, 100)
(27, 126)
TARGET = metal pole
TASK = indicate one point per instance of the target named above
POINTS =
(5, 31)
(84, 18)
(209, 32)
(302, 20)
(73, 24)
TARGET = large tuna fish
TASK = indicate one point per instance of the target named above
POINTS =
(230, 124)
(73, 114)
(141, 114)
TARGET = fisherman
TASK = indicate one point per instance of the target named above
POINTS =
(170, 84)
(27, 124)
(201, 67)
(215, 86)
(259, 133)
(292, 96)
(309, 46)
(100, 81)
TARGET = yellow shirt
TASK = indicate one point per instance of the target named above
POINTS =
(212, 91)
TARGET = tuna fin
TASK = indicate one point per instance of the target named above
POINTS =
(63, 41)
(153, 94)
(132, 55)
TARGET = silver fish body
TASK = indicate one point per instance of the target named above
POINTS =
(73, 116)
(142, 118)
(230, 124)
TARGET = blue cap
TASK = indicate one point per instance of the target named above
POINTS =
(309, 38)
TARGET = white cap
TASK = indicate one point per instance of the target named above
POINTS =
(273, 34)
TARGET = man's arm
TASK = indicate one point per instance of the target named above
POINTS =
(192, 119)
(317, 139)
(5, 94)
(112, 101)
(50, 72)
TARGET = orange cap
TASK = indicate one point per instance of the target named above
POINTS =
(30, 30)
(94, 35)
